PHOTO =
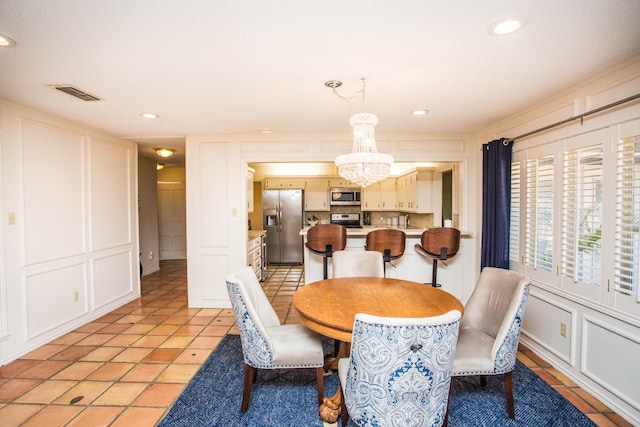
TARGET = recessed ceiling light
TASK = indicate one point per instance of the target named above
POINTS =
(6, 41)
(265, 131)
(507, 26)
(149, 115)
(419, 112)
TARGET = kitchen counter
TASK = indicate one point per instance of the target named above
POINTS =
(255, 233)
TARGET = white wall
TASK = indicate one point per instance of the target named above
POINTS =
(69, 227)
(216, 193)
(602, 347)
(148, 214)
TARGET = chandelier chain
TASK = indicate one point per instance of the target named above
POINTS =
(360, 92)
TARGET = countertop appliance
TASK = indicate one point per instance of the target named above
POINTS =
(349, 220)
(283, 220)
(345, 197)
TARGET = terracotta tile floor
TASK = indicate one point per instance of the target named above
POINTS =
(127, 367)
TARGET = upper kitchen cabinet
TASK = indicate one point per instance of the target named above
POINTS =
(284, 183)
(341, 183)
(414, 191)
(380, 196)
(250, 173)
(316, 195)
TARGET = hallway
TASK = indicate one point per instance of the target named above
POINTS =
(127, 367)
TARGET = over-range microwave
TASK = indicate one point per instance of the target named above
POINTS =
(345, 196)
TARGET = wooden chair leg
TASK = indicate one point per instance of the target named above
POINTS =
(320, 381)
(508, 390)
(446, 411)
(483, 380)
(249, 378)
(343, 408)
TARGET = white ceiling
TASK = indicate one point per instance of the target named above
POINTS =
(239, 66)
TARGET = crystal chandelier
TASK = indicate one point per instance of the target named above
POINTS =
(364, 165)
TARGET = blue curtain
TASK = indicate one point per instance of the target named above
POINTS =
(496, 202)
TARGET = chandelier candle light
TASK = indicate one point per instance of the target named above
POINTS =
(364, 165)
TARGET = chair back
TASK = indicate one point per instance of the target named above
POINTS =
(387, 239)
(321, 235)
(254, 315)
(434, 240)
(496, 307)
(399, 370)
(357, 264)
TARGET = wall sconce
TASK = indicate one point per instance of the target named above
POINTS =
(165, 152)
(159, 166)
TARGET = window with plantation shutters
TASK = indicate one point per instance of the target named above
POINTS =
(539, 213)
(581, 215)
(627, 218)
(514, 221)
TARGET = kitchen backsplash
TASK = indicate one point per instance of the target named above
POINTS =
(377, 218)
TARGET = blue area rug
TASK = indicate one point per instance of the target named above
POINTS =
(288, 398)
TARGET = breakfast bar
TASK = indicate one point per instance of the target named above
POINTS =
(411, 266)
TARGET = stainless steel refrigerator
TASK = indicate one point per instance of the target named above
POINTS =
(282, 211)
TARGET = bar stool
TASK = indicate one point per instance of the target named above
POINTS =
(389, 242)
(324, 240)
(439, 244)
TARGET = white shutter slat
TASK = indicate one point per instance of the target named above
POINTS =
(627, 247)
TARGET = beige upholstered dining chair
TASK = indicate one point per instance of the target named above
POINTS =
(399, 371)
(266, 344)
(490, 328)
(357, 264)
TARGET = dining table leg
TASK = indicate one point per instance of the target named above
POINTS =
(330, 407)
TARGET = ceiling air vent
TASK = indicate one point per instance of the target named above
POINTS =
(74, 91)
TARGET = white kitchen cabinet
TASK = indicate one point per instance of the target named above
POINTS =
(415, 191)
(284, 183)
(316, 195)
(254, 256)
(380, 196)
(341, 183)
(250, 173)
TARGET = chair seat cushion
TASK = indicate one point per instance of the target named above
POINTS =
(473, 353)
(295, 346)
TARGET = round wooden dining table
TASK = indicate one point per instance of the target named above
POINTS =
(329, 308)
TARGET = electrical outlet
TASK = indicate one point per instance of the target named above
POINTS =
(151, 255)
(563, 329)
(76, 296)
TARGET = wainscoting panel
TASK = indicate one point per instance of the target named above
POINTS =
(53, 298)
(611, 357)
(53, 174)
(112, 277)
(455, 146)
(214, 205)
(543, 319)
(110, 194)
(214, 293)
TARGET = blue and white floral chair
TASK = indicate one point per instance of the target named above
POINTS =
(399, 370)
(266, 344)
(490, 328)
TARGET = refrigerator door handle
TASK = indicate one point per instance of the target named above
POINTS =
(280, 217)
